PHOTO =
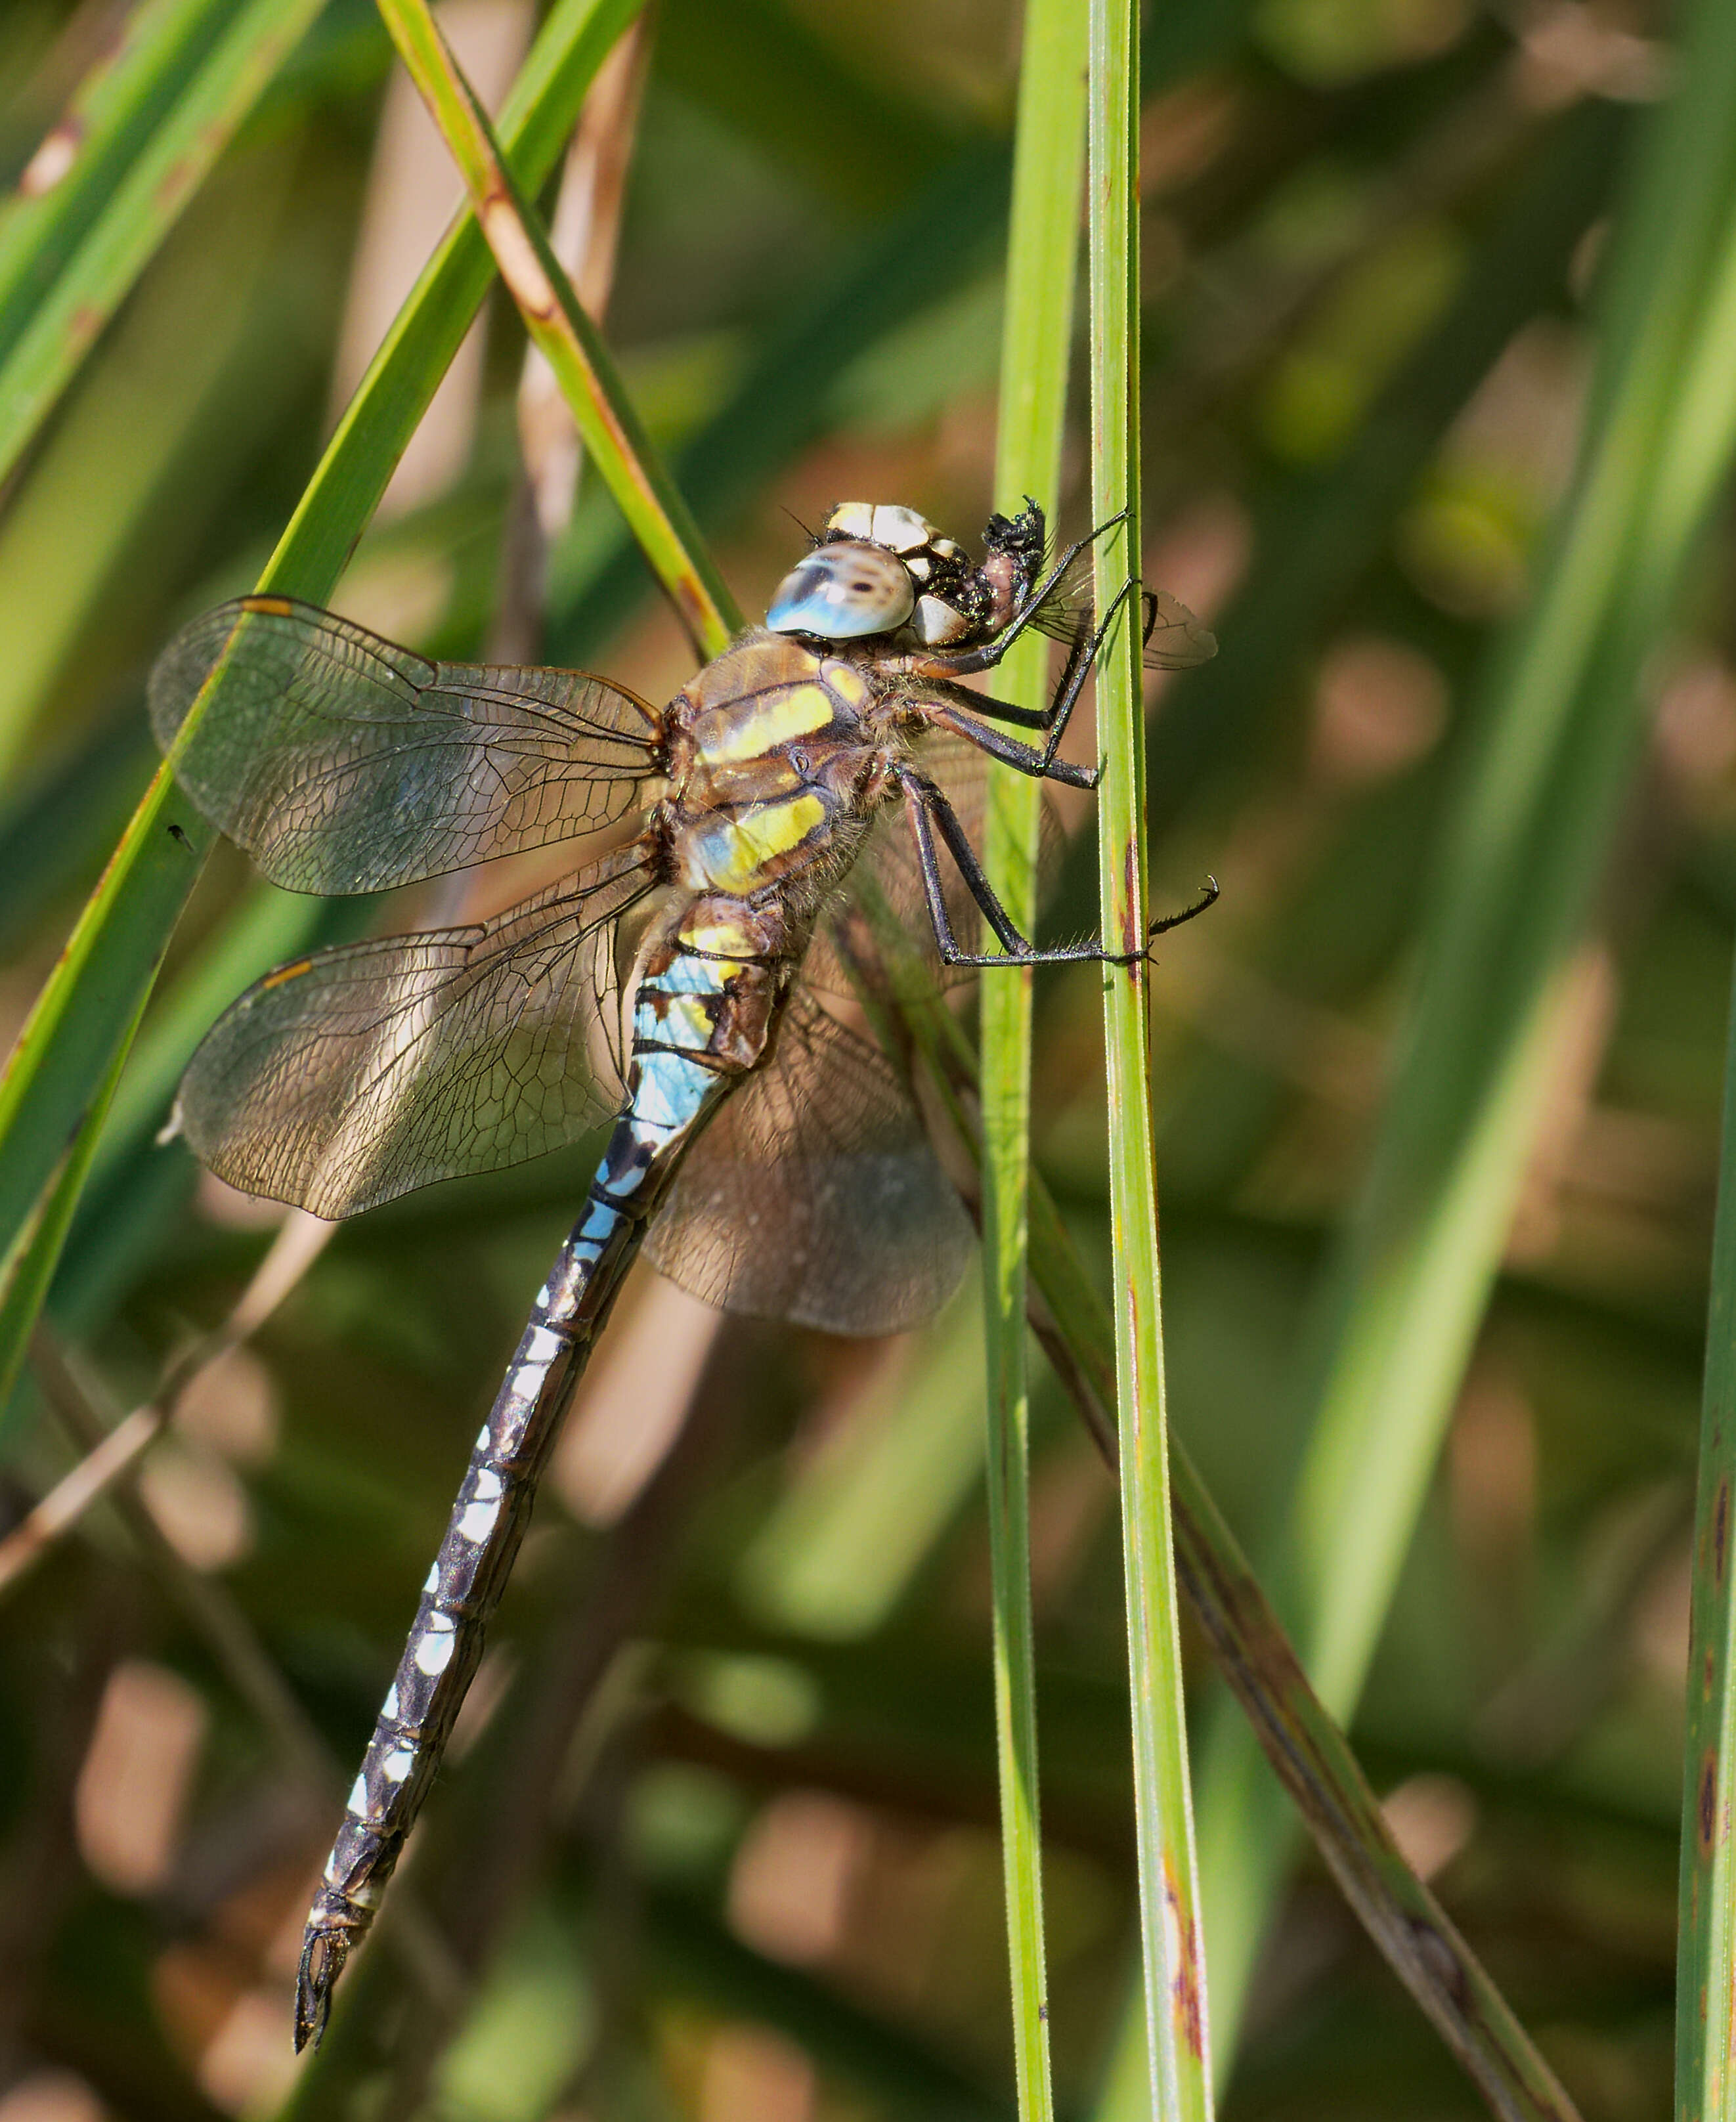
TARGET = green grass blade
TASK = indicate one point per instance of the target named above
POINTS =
(538, 115)
(1705, 1968)
(1307, 1750)
(1558, 723)
(1042, 258)
(569, 342)
(28, 1266)
(49, 1097)
(79, 163)
(149, 127)
(1175, 1974)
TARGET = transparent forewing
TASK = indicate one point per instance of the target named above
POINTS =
(342, 763)
(355, 1075)
(846, 944)
(1177, 641)
(814, 1195)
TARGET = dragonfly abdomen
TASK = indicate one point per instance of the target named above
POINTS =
(707, 999)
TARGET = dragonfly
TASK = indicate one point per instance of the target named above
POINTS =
(760, 1151)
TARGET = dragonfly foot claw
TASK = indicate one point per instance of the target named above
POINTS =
(1175, 920)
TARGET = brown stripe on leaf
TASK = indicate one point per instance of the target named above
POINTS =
(1187, 1991)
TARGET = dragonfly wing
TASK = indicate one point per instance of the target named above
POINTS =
(814, 1195)
(887, 869)
(1176, 640)
(343, 764)
(349, 1077)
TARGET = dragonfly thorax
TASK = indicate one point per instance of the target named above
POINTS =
(775, 760)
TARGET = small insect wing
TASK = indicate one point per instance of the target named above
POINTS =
(358, 1074)
(1175, 640)
(814, 1195)
(342, 763)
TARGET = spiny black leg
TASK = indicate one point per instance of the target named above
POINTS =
(998, 710)
(929, 807)
(1207, 897)
(1081, 654)
(930, 810)
(1079, 650)
(1022, 758)
(1081, 660)
(1080, 663)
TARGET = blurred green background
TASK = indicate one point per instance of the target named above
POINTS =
(742, 1672)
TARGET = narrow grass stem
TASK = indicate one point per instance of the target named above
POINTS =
(1036, 337)
(1307, 1752)
(1178, 2042)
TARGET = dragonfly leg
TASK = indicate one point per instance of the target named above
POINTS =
(930, 813)
(929, 808)
(998, 710)
(1079, 656)
(1209, 897)
(1022, 758)
(1081, 660)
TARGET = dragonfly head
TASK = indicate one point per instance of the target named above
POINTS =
(877, 569)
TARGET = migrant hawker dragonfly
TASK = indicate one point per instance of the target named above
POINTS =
(672, 984)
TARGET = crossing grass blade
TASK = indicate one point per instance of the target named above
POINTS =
(1705, 1977)
(1176, 2026)
(51, 1097)
(1557, 724)
(569, 342)
(114, 178)
(1036, 339)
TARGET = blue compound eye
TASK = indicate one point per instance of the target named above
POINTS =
(843, 591)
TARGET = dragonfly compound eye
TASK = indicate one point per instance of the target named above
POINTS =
(843, 591)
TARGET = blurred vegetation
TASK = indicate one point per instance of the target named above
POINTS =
(758, 1876)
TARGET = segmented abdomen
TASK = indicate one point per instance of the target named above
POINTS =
(703, 1016)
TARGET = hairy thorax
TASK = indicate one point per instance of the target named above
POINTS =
(778, 758)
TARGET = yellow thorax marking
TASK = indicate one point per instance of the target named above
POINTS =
(849, 684)
(750, 732)
(769, 830)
